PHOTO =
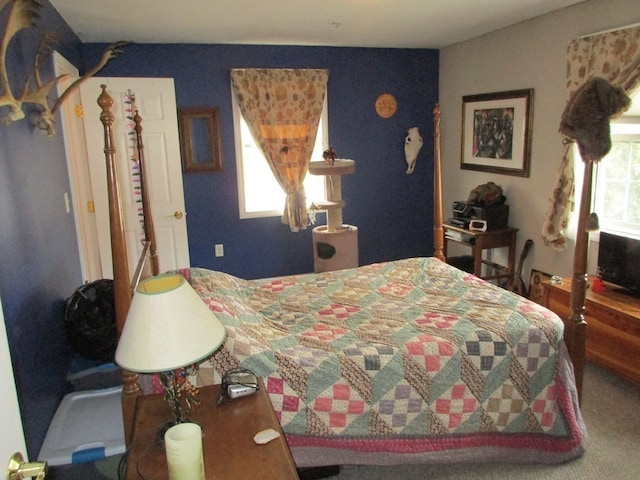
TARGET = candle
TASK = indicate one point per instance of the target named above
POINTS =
(183, 445)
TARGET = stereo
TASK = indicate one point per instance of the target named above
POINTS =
(496, 217)
(462, 209)
(459, 222)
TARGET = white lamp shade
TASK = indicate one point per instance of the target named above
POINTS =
(168, 327)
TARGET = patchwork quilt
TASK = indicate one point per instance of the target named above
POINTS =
(406, 356)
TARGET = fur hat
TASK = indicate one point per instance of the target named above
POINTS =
(586, 117)
(486, 194)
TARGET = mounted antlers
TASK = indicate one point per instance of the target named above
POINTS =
(40, 96)
(23, 15)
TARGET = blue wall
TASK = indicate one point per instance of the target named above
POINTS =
(392, 210)
(39, 264)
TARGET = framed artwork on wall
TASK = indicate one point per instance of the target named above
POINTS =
(536, 290)
(200, 139)
(496, 132)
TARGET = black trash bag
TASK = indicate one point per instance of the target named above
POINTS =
(90, 321)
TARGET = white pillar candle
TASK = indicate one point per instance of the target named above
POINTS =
(183, 445)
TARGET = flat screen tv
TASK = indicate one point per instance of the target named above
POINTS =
(619, 261)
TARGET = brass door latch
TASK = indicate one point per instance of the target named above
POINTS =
(19, 469)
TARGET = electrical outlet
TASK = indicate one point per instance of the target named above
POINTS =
(219, 250)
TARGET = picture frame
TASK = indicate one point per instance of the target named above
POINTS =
(536, 290)
(496, 132)
(200, 139)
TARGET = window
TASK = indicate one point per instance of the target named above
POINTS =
(259, 194)
(617, 177)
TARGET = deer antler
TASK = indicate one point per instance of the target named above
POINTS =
(46, 119)
(112, 51)
(40, 94)
(22, 15)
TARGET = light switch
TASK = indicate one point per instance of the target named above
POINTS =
(67, 203)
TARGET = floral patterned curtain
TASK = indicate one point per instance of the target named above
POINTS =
(614, 56)
(282, 108)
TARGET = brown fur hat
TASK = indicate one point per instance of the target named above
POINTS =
(586, 117)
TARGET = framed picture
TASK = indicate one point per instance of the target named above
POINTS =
(496, 132)
(536, 290)
(200, 139)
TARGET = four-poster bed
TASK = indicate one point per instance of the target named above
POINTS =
(123, 285)
(411, 361)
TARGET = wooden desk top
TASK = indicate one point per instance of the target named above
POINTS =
(508, 230)
(476, 232)
(228, 446)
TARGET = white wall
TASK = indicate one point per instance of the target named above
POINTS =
(12, 438)
(531, 54)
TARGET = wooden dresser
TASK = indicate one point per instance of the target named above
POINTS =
(613, 325)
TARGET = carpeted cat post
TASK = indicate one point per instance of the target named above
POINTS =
(335, 245)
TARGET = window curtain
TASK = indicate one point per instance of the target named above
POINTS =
(282, 108)
(614, 56)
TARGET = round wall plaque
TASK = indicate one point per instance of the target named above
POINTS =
(386, 105)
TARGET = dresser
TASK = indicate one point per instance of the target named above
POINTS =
(613, 325)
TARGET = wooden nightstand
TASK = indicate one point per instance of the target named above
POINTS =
(228, 446)
(480, 241)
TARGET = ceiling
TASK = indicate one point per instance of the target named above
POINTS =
(342, 23)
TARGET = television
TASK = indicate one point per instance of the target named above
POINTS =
(619, 261)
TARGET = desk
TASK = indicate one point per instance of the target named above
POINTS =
(480, 241)
(228, 446)
(613, 325)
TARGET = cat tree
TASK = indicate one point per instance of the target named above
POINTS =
(335, 245)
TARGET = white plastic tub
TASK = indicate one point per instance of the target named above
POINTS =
(86, 427)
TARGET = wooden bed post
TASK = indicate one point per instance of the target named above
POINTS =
(121, 288)
(576, 326)
(121, 282)
(149, 230)
(438, 230)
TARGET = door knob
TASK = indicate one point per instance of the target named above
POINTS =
(19, 469)
(178, 214)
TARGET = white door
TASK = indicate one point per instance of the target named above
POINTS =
(72, 128)
(12, 438)
(155, 100)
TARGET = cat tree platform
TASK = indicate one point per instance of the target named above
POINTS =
(335, 245)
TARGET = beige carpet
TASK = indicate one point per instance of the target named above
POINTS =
(611, 411)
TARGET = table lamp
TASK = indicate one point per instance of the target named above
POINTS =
(169, 330)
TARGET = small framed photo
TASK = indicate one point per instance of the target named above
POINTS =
(536, 290)
(200, 139)
(496, 132)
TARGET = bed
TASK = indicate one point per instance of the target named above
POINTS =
(396, 362)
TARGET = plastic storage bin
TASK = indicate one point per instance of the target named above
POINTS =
(86, 427)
